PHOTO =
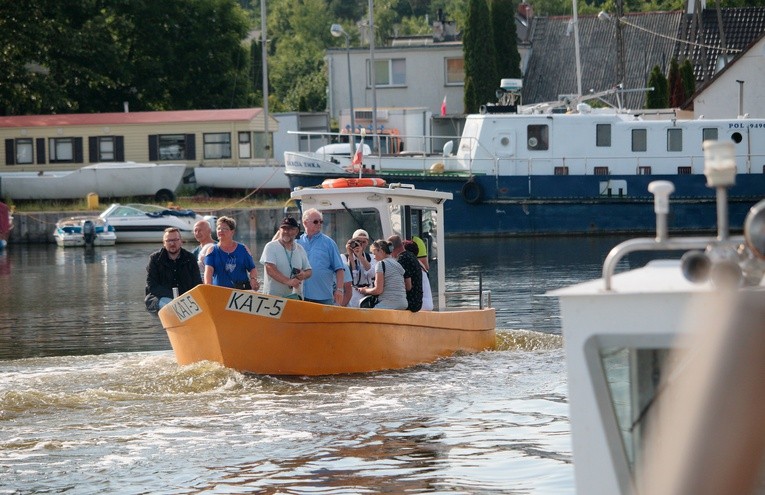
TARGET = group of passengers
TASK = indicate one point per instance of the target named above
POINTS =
(308, 267)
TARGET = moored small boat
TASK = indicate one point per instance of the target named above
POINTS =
(263, 334)
(84, 231)
(146, 223)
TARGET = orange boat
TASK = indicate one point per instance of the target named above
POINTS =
(264, 334)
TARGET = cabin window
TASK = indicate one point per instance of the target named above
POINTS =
(172, 146)
(684, 171)
(538, 137)
(601, 171)
(388, 72)
(65, 150)
(603, 135)
(674, 140)
(709, 134)
(561, 171)
(217, 145)
(245, 145)
(644, 170)
(639, 140)
(24, 151)
(455, 71)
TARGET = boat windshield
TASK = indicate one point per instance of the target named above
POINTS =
(341, 224)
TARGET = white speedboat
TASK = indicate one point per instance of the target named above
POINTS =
(145, 223)
(84, 231)
(108, 180)
(666, 362)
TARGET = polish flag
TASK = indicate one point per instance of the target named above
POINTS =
(443, 107)
(357, 157)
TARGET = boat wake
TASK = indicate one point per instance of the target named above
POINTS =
(526, 340)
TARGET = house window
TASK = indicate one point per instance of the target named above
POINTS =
(684, 171)
(24, 151)
(601, 171)
(603, 135)
(674, 140)
(106, 149)
(644, 170)
(455, 71)
(639, 140)
(538, 137)
(709, 134)
(172, 146)
(388, 72)
(245, 148)
(65, 150)
(561, 171)
(217, 145)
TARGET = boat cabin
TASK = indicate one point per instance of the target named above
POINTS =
(384, 211)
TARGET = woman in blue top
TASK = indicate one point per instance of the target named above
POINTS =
(230, 263)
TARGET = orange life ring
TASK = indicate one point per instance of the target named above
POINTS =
(343, 182)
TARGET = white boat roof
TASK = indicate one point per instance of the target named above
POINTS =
(396, 193)
(658, 276)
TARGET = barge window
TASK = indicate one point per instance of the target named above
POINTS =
(709, 134)
(217, 145)
(245, 150)
(601, 171)
(561, 171)
(455, 71)
(65, 150)
(24, 151)
(684, 171)
(538, 137)
(639, 140)
(644, 170)
(603, 135)
(674, 140)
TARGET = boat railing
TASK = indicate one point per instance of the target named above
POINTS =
(484, 295)
(724, 260)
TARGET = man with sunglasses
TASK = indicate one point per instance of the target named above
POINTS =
(327, 280)
(170, 267)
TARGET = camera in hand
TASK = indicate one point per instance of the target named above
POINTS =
(295, 272)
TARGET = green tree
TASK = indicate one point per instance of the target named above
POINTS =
(478, 47)
(677, 94)
(658, 98)
(508, 59)
(688, 77)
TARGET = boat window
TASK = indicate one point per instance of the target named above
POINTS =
(633, 377)
(24, 151)
(603, 135)
(561, 171)
(639, 140)
(245, 150)
(674, 139)
(709, 134)
(600, 171)
(217, 145)
(643, 170)
(538, 137)
(684, 170)
(341, 224)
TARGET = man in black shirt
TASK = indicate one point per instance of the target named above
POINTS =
(170, 267)
(412, 273)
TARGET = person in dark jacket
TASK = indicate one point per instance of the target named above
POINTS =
(172, 266)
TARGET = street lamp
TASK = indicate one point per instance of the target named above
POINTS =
(337, 31)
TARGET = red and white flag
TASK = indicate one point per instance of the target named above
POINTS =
(357, 157)
(443, 107)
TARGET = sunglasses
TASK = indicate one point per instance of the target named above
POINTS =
(317, 222)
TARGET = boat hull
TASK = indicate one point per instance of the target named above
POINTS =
(264, 334)
(262, 178)
(487, 205)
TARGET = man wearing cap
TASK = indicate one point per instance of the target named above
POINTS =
(326, 284)
(285, 262)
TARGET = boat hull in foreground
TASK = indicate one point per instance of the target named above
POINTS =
(269, 335)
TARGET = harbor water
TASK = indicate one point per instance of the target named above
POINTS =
(92, 401)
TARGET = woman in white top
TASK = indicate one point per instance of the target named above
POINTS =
(389, 279)
(362, 270)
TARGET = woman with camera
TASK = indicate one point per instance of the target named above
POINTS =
(389, 279)
(362, 270)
